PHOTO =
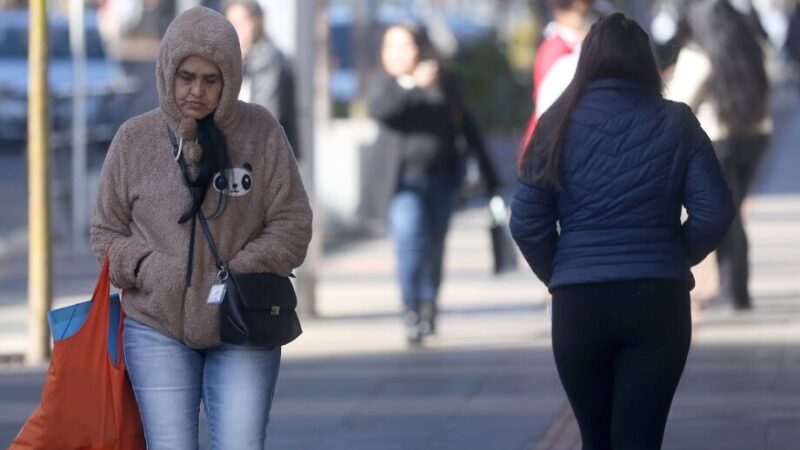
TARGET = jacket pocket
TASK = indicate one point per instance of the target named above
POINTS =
(161, 279)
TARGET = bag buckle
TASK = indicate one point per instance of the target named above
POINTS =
(222, 275)
(275, 310)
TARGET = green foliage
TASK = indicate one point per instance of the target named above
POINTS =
(497, 99)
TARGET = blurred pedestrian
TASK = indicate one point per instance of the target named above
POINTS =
(241, 174)
(597, 215)
(423, 120)
(131, 33)
(557, 55)
(721, 75)
(792, 43)
(267, 78)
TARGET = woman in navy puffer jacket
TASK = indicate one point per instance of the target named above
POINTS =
(597, 215)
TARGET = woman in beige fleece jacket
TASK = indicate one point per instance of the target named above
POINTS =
(245, 179)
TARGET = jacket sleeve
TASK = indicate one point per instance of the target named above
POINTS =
(388, 101)
(283, 242)
(706, 196)
(477, 146)
(533, 226)
(111, 220)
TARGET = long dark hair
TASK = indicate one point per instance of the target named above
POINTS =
(616, 47)
(425, 48)
(738, 84)
(215, 160)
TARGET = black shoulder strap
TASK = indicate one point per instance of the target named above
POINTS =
(187, 180)
(203, 222)
(207, 232)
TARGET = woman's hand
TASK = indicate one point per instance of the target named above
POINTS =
(425, 73)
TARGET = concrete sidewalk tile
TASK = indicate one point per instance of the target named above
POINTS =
(563, 432)
(783, 433)
(496, 431)
(716, 433)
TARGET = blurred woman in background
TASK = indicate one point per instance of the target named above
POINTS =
(721, 75)
(557, 56)
(425, 129)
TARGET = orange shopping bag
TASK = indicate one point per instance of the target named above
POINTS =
(87, 400)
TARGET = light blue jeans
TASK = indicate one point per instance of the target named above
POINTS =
(236, 385)
(418, 221)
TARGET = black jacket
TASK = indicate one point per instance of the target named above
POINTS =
(427, 132)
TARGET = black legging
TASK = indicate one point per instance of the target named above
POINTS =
(620, 349)
(739, 159)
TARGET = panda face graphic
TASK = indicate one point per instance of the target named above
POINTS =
(236, 182)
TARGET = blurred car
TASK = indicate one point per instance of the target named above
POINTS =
(104, 78)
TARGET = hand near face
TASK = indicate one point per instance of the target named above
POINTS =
(425, 73)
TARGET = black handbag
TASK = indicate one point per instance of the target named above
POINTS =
(258, 309)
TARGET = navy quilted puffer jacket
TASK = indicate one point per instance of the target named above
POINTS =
(630, 161)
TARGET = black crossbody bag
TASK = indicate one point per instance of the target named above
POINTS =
(258, 309)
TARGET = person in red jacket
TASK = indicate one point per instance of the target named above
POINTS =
(562, 37)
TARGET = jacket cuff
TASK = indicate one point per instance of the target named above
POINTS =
(246, 261)
(124, 256)
(241, 264)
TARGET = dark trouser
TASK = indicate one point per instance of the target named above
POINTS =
(739, 158)
(620, 349)
(418, 221)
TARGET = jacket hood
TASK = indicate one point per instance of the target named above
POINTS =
(205, 33)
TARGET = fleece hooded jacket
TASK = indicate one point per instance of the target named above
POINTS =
(266, 224)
